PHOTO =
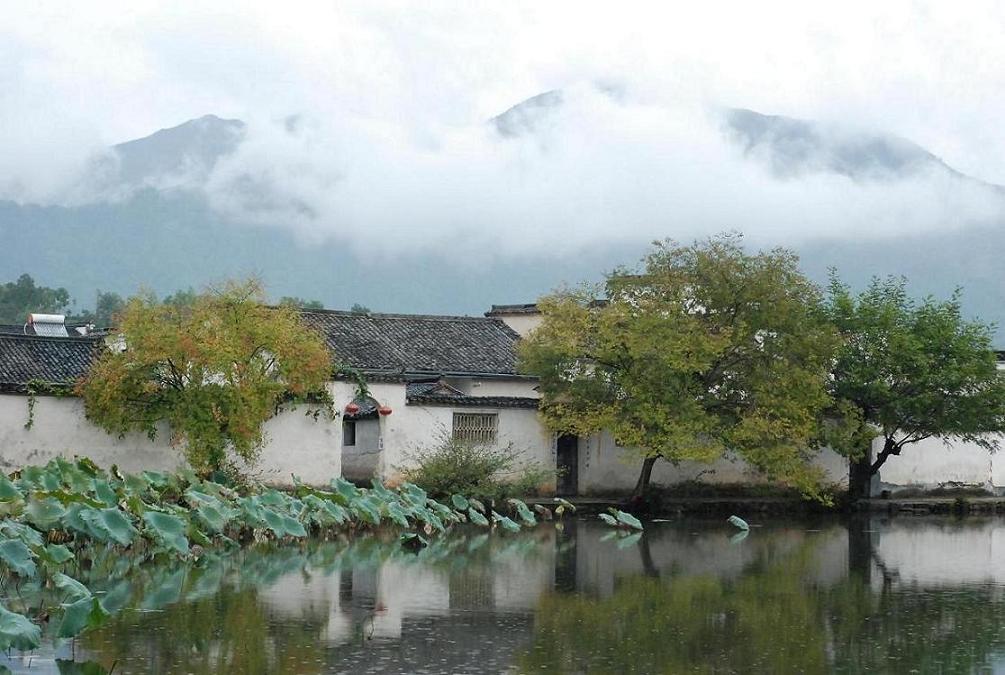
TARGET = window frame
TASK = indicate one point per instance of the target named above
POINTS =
(465, 427)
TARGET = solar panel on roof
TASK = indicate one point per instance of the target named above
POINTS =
(49, 325)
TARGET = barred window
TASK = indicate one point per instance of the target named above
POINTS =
(476, 427)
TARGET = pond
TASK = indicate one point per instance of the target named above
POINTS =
(822, 595)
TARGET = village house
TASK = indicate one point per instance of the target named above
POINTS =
(423, 378)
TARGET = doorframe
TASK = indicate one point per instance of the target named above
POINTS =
(575, 478)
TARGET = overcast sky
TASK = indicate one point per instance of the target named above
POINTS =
(393, 91)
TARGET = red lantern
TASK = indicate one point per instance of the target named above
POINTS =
(352, 408)
(384, 410)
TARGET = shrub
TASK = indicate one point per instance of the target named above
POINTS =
(452, 466)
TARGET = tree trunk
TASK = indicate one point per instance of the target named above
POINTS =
(861, 471)
(860, 476)
(642, 486)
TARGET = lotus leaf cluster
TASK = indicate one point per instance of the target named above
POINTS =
(57, 514)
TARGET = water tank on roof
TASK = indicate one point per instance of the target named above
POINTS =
(50, 325)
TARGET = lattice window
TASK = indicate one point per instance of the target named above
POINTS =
(476, 427)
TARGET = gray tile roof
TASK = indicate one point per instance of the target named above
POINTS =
(59, 361)
(437, 393)
(523, 308)
(415, 343)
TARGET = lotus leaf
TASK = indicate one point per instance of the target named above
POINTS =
(506, 523)
(18, 632)
(44, 513)
(169, 530)
(17, 557)
(80, 615)
(477, 518)
(109, 525)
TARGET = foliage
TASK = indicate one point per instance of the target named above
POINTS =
(359, 309)
(300, 303)
(215, 370)
(618, 518)
(478, 470)
(182, 517)
(907, 371)
(181, 298)
(707, 349)
(19, 298)
(107, 307)
(35, 388)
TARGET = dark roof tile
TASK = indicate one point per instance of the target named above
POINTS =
(60, 361)
(418, 343)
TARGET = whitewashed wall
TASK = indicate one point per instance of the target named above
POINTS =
(313, 450)
(296, 444)
(606, 467)
(933, 462)
(410, 428)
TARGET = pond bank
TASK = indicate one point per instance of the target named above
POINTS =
(935, 505)
(664, 506)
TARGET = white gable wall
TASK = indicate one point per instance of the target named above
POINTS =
(296, 444)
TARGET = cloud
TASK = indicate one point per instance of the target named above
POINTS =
(392, 152)
(597, 169)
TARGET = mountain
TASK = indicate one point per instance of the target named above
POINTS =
(192, 148)
(795, 147)
(154, 227)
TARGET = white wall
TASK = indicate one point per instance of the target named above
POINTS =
(296, 443)
(410, 428)
(933, 461)
(522, 323)
(606, 467)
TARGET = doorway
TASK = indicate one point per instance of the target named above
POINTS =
(567, 462)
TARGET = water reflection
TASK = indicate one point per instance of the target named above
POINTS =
(867, 595)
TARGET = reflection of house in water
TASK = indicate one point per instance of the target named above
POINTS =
(395, 610)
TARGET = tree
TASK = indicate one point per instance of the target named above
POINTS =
(300, 303)
(107, 307)
(214, 370)
(707, 350)
(182, 298)
(359, 309)
(907, 371)
(19, 298)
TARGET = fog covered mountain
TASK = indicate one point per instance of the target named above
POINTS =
(152, 224)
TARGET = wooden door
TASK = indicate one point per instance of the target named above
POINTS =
(567, 461)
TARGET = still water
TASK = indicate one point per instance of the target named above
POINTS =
(903, 595)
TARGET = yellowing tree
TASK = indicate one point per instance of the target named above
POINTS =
(215, 370)
(706, 350)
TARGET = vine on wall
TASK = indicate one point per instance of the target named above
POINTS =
(35, 388)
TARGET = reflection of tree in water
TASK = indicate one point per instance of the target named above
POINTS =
(774, 618)
(221, 627)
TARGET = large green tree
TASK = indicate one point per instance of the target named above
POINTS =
(214, 369)
(19, 298)
(907, 371)
(706, 350)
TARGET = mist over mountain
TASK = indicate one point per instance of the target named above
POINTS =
(215, 198)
